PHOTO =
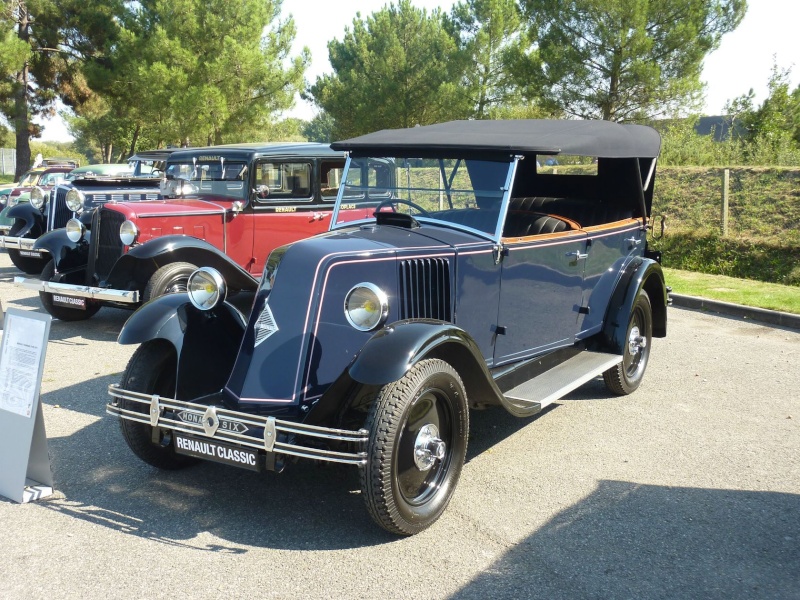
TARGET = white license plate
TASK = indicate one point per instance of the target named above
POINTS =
(227, 454)
(69, 301)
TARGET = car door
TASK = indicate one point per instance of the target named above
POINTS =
(540, 294)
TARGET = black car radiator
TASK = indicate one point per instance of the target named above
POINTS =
(106, 247)
(59, 213)
(425, 289)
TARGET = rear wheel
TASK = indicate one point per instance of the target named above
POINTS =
(31, 265)
(168, 279)
(151, 370)
(417, 444)
(626, 376)
(64, 313)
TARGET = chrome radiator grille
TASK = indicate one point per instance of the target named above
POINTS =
(425, 289)
(59, 213)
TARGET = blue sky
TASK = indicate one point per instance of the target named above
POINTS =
(768, 34)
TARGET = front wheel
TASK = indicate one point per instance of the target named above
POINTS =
(417, 445)
(169, 279)
(626, 376)
(30, 265)
(64, 313)
(151, 370)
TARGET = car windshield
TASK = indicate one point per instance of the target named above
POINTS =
(466, 193)
(29, 179)
(211, 176)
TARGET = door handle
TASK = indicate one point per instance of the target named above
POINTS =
(577, 255)
(633, 242)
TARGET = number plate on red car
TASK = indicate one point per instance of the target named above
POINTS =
(69, 301)
(227, 454)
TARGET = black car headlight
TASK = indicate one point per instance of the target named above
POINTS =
(366, 306)
(75, 200)
(37, 197)
(206, 288)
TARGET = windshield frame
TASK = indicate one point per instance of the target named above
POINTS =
(494, 236)
(198, 191)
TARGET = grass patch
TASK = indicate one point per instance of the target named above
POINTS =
(6, 179)
(771, 296)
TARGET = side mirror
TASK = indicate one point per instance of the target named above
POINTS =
(261, 191)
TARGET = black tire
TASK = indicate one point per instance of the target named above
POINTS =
(400, 496)
(29, 265)
(151, 370)
(168, 279)
(626, 376)
(64, 313)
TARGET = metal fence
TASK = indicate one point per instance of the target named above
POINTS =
(8, 161)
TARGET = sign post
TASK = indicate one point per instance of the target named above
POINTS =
(25, 472)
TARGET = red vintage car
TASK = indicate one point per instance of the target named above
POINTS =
(221, 205)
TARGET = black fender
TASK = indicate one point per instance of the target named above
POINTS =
(68, 255)
(206, 342)
(639, 274)
(31, 218)
(393, 351)
(143, 260)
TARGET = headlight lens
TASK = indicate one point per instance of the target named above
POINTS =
(75, 230)
(75, 200)
(366, 306)
(206, 288)
(128, 232)
(37, 197)
(3, 199)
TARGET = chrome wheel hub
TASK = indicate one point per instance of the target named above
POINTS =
(428, 447)
(636, 342)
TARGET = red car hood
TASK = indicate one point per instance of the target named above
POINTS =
(162, 208)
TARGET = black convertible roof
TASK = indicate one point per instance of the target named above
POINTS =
(538, 136)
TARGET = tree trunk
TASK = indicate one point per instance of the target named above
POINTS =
(134, 140)
(22, 125)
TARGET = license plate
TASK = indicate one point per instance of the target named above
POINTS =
(69, 302)
(220, 452)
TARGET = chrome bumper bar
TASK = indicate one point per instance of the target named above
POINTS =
(20, 243)
(78, 291)
(225, 425)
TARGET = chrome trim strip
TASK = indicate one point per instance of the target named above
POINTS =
(19, 243)
(268, 442)
(78, 291)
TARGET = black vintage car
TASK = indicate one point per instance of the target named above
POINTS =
(481, 279)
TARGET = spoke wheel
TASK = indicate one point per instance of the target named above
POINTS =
(64, 313)
(169, 279)
(626, 377)
(418, 441)
(151, 370)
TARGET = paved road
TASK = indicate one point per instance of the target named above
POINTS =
(690, 488)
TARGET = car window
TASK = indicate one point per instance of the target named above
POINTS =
(330, 178)
(281, 181)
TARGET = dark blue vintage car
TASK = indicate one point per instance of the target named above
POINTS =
(483, 276)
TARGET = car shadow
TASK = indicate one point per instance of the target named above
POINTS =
(630, 540)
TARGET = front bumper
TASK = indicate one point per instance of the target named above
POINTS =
(20, 243)
(268, 434)
(79, 291)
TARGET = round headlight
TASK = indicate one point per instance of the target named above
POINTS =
(3, 199)
(366, 306)
(75, 200)
(128, 232)
(37, 197)
(206, 288)
(75, 230)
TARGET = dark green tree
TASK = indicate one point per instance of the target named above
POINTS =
(396, 68)
(623, 60)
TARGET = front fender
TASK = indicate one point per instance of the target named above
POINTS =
(393, 351)
(68, 255)
(640, 274)
(33, 223)
(143, 260)
(206, 342)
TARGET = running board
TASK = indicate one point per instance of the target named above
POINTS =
(561, 379)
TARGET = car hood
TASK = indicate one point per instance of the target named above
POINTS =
(163, 208)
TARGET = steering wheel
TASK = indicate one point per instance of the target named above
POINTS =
(417, 207)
